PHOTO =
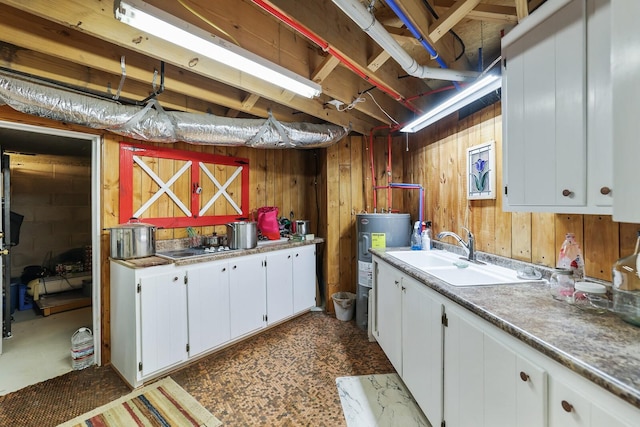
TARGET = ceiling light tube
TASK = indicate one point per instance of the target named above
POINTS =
(160, 24)
(472, 93)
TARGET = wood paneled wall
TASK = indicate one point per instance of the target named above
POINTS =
(287, 179)
(435, 158)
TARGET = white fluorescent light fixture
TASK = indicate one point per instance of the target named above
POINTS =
(160, 24)
(472, 93)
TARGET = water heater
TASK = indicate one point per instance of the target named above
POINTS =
(397, 230)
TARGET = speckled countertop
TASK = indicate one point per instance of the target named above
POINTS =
(600, 347)
(262, 248)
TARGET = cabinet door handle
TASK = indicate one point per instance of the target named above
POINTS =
(234, 267)
(175, 279)
(403, 288)
(297, 255)
(397, 283)
(568, 407)
(523, 376)
(567, 193)
(224, 269)
(289, 257)
(605, 190)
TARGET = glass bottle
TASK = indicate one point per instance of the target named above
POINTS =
(626, 287)
(562, 285)
(570, 257)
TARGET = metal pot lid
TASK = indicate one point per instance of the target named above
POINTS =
(132, 223)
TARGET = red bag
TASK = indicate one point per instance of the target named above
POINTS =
(268, 222)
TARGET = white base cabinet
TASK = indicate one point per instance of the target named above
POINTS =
(465, 372)
(304, 277)
(208, 306)
(149, 328)
(280, 286)
(248, 295)
(291, 282)
(407, 326)
(422, 311)
(165, 315)
(486, 383)
(388, 317)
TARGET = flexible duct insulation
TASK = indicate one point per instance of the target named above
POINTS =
(152, 123)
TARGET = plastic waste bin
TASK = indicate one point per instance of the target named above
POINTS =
(344, 303)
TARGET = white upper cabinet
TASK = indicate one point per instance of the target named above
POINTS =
(625, 72)
(557, 110)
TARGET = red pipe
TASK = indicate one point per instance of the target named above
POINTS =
(302, 29)
(373, 173)
(431, 92)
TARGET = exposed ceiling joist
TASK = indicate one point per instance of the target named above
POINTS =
(485, 12)
(80, 43)
(451, 17)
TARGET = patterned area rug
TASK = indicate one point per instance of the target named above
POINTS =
(163, 403)
(378, 401)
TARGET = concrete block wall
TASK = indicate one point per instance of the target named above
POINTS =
(53, 193)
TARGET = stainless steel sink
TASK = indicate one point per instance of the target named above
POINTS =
(181, 253)
(193, 252)
(449, 268)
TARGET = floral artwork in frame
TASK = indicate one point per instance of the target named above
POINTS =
(481, 167)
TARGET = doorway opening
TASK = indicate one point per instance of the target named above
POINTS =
(54, 261)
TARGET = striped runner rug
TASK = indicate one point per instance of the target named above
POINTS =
(163, 403)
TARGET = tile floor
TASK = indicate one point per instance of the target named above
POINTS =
(285, 376)
(378, 400)
(39, 348)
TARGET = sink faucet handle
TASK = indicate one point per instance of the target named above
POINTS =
(469, 233)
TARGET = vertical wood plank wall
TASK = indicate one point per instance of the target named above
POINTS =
(436, 159)
(330, 186)
(287, 179)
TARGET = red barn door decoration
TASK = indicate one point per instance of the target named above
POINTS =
(174, 188)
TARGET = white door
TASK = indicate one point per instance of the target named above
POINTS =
(163, 321)
(422, 347)
(544, 88)
(388, 313)
(208, 306)
(6, 310)
(248, 299)
(463, 372)
(304, 278)
(279, 285)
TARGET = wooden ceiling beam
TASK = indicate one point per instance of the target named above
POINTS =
(522, 9)
(451, 17)
(422, 19)
(324, 69)
(348, 39)
(91, 18)
(485, 12)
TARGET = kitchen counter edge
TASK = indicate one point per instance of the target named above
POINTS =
(155, 260)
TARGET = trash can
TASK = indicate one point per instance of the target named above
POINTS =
(344, 303)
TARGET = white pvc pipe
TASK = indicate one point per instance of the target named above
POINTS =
(361, 16)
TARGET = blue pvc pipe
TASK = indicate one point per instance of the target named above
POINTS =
(416, 33)
(421, 195)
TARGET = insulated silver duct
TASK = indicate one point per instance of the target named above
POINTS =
(153, 123)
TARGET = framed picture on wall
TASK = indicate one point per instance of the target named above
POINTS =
(481, 171)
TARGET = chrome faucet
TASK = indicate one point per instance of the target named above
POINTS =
(469, 246)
